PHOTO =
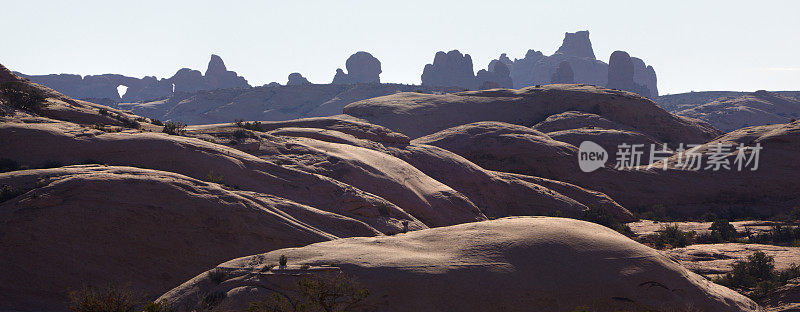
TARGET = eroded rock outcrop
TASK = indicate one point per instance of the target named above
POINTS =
(148, 88)
(451, 69)
(621, 74)
(296, 79)
(497, 76)
(563, 74)
(576, 50)
(362, 67)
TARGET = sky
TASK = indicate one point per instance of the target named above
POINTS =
(693, 45)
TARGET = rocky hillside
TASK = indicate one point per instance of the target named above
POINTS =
(406, 186)
(754, 109)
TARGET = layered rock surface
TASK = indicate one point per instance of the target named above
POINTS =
(549, 264)
(754, 109)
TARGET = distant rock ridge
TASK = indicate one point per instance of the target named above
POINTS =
(451, 69)
(362, 67)
(217, 76)
(296, 79)
(576, 49)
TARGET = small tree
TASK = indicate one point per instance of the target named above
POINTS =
(282, 260)
(21, 96)
(722, 230)
(334, 292)
(108, 300)
(174, 128)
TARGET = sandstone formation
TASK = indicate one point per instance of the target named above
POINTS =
(682, 101)
(271, 102)
(296, 79)
(563, 74)
(451, 69)
(718, 259)
(645, 75)
(421, 114)
(362, 67)
(546, 264)
(621, 74)
(497, 76)
(678, 190)
(754, 109)
(82, 224)
(148, 88)
(292, 183)
(576, 50)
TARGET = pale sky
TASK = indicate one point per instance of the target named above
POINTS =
(693, 45)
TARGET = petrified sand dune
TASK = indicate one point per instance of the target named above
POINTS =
(512, 264)
(99, 225)
(515, 149)
(417, 115)
(35, 144)
(755, 109)
(524, 195)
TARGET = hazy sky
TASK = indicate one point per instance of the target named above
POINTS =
(693, 45)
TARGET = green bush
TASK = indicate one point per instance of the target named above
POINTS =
(255, 125)
(778, 235)
(756, 276)
(21, 96)
(334, 292)
(217, 275)
(602, 217)
(174, 128)
(7, 165)
(210, 300)
(161, 306)
(241, 134)
(724, 230)
(107, 300)
(670, 236)
(8, 192)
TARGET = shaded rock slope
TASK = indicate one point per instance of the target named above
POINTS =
(512, 264)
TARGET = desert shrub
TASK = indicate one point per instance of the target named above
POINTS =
(8, 192)
(217, 275)
(174, 128)
(756, 276)
(305, 267)
(334, 292)
(214, 178)
(7, 165)
(778, 235)
(671, 236)
(156, 122)
(240, 134)
(255, 125)
(602, 217)
(103, 111)
(20, 96)
(212, 299)
(724, 229)
(160, 306)
(282, 260)
(107, 300)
